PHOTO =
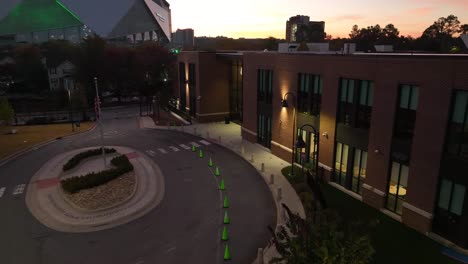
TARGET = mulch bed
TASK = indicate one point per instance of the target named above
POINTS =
(105, 195)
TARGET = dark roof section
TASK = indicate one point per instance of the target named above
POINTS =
(37, 15)
(100, 15)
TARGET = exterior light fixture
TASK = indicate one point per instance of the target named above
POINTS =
(284, 103)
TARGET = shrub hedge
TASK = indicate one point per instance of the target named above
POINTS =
(73, 162)
(93, 179)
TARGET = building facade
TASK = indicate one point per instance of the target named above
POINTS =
(297, 23)
(126, 22)
(209, 86)
(184, 38)
(390, 130)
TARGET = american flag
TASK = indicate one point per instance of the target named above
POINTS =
(97, 107)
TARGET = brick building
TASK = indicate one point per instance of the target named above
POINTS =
(390, 129)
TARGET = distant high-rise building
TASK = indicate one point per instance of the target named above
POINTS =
(183, 38)
(299, 22)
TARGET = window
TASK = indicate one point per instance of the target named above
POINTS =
(265, 86)
(355, 102)
(457, 135)
(366, 97)
(264, 130)
(350, 167)
(191, 77)
(451, 197)
(359, 170)
(406, 112)
(310, 94)
(397, 187)
(341, 163)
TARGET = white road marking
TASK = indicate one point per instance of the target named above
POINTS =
(174, 148)
(162, 150)
(204, 142)
(151, 153)
(2, 191)
(194, 144)
(184, 146)
(19, 189)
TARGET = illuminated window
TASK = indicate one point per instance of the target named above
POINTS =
(397, 187)
(350, 167)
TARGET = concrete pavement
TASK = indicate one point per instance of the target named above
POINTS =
(267, 164)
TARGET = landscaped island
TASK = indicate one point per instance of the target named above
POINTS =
(102, 189)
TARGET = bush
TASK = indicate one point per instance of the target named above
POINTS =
(73, 162)
(93, 179)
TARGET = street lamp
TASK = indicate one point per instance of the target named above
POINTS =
(284, 104)
(300, 143)
(69, 103)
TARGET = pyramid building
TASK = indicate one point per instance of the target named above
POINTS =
(128, 21)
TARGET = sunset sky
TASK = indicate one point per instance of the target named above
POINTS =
(263, 18)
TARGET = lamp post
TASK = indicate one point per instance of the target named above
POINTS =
(284, 104)
(300, 143)
(69, 103)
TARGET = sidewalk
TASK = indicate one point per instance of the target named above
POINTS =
(229, 136)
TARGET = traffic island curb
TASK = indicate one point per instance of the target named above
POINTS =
(49, 208)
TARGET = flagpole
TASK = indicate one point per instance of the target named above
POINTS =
(97, 108)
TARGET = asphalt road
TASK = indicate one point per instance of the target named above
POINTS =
(184, 228)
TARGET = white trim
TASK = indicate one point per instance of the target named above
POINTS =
(373, 189)
(281, 146)
(180, 118)
(212, 114)
(391, 214)
(417, 210)
(343, 189)
(249, 131)
(325, 166)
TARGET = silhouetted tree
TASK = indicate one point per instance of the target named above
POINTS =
(323, 238)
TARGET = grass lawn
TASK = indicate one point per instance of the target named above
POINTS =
(392, 241)
(28, 136)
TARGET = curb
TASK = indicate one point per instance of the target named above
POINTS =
(11, 157)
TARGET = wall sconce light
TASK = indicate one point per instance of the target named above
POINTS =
(325, 135)
(186, 81)
(377, 151)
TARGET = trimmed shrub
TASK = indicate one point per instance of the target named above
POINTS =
(93, 179)
(73, 162)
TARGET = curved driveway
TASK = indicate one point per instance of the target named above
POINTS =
(184, 228)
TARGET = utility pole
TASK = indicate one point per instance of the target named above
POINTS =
(97, 108)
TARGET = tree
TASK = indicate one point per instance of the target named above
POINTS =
(354, 32)
(90, 64)
(310, 33)
(29, 70)
(464, 29)
(443, 27)
(6, 111)
(323, 239)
